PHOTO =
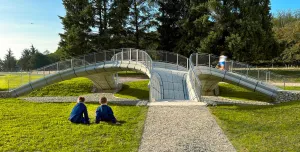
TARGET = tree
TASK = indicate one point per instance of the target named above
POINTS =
(195, 27)
(242, 28)
(24, 60)
(77, 25)
(118, 13)
(140, 19)
(172, 11)
(9, 62)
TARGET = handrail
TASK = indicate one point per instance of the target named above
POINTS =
(266, 78)
(82, 61)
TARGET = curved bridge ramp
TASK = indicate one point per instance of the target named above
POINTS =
(210, 77)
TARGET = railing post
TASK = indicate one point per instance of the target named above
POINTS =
(129, 54)
(187, 63)
(166, 57)
(115, 55)
(137, 56)
(57, 67)
(84, 60)
(209, 60)
(122, 56)
(196, 59)
(266, 76)
(177, 61)
(8, 87)
(43, 73)
(71, 63)
(95, 59)
(104, 56)
(247, 70)
(257, 73)
(231, 66)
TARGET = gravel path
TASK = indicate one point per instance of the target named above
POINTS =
(182, 128)
(90, 98)
(213, 100)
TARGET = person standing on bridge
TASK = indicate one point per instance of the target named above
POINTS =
(78, 111)
(222, 60)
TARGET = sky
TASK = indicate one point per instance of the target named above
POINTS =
(35, 22)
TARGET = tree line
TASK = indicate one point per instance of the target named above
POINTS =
(31, 59)
(241, 28)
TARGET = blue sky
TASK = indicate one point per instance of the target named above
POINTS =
(26, 22)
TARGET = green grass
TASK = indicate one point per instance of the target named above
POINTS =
(73, 87)
(134, 90)
(27, 126)
(235, 92)
(291, 87)
(15, 80)
(261, 128)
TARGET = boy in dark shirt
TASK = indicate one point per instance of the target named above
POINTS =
(78, 111)
(104, 112)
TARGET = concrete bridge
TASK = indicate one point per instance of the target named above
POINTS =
(172, 76)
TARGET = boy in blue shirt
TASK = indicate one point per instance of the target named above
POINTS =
(78, 111)
(104, 112)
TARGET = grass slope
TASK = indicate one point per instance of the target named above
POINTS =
(261, 128)
(27, 126)
(134, 90)
(235, 92)
(73, 87)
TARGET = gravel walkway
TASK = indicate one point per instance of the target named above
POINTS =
(182, 128)
(213, 100)
(90, 98)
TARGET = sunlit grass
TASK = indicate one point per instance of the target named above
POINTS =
(27, 126)
(261, 128)
(73, 87)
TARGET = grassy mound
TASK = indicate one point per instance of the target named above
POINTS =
(261, 128)
(134, 90)
(73, 87)
(235, 92)
(27, 126)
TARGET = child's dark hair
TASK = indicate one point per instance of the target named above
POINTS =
(103, 100)
(81, 99)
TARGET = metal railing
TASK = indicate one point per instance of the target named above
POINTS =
(17, 79)
(266, 77)
(168, 60)
(194, 79)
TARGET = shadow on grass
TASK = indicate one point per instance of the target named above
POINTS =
(129, 92)
(236, 92)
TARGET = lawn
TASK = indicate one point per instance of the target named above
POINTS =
(27, 126)
(261, 128)
(134, 90)
(72, 87)
(235, 92)
(15, 80)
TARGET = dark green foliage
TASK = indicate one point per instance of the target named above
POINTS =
(287, 29)
(172, 12)
(9, 63)
(32, 59)
(77, 25)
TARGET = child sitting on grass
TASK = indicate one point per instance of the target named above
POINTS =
(105, 113)
(78, 111)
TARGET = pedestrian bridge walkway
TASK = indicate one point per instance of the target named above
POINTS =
(172, 76)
